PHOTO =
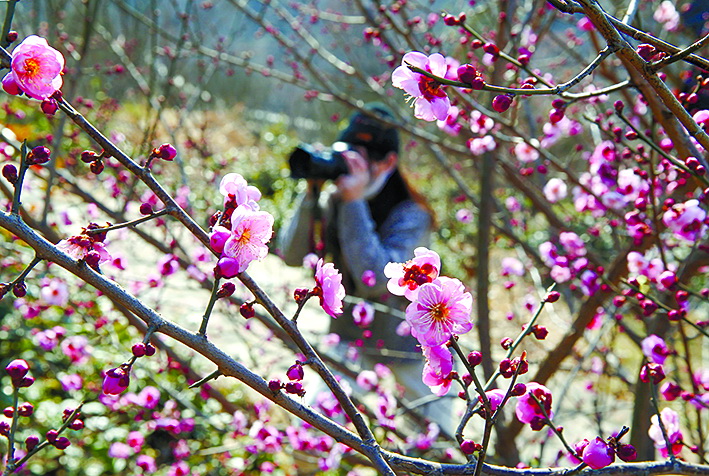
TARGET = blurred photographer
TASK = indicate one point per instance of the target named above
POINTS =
(372, 217)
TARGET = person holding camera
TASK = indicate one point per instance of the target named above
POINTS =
(373, 217)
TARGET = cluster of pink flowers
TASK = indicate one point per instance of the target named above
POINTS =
(241, 232)
(568, 261)
(440, 308)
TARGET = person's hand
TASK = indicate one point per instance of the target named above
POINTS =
(353, 185)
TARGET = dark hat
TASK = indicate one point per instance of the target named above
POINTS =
(370, 132)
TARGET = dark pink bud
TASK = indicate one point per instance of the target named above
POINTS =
(247, 310)
(553, 296)
(524, 59)
(165, 152)
(51, 435)
(24, 382)
(626, 452)
(670, 391)
(501, 102)
(96, 166)
(467, 73)
(558, 104)
(77, 424)
(475, 358)
(149, 349)
(469, 447)
(646, 51)
(506, 342)
(295, 388)
(93, 258)
(652, 371)
(227, 267)
(62, 443)
(146, 209)
(668, 279)
(218, 238)
(11, 36)
(31, 442)
(4, 428)
(39, 155)
(49, 107)
(491, 49)
(138, 349)
(555, 115)
(17, 369)
(116, 381)
(19, 289)
(8, 412)
(295, 372)
(25, 410)
(88, 156)
(540, 332)
(9, 171)
(518, 390)
(274, 385)
(226, 290)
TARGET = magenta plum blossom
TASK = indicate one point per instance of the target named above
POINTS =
(363, 314)
(436, 371)
(529, 411)
(35, 69)
(430, 101)
(442, 308)
(670, 420)
(236, 191)
(405, 278)
(495, 397)
(686, 220)
(329, 288)
(655, 349)
(597, 454)
(250, 231)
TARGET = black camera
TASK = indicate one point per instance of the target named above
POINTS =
(310, 162)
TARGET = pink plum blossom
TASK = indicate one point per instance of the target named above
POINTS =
(464, 215)
(480, 145)
(330, 288)
(529, 411)
(439, 365)
(495, 397)
(668, 15)
(655, 349)
(363, 314)
(450, 124)
(71, 382)
(479, 123)
(35, 69)
(430, 101)
(250, 231)
(116, 381)
(526, 153)
(55, 292)
(236, 190)
(670, 420)
(442, 308)
(120, 450)
(555, 190)
(511, 265)
(406, 278)
(686, 220)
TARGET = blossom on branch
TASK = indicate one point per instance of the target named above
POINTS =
(438, 368)
(406, 278)
(35, 69)
(442, 308)
(329, 288)
(250, 231)
(528, 408)
(670, 421)
(431, 102)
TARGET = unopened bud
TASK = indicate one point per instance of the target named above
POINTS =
(247, 310)
(9, 171)
(226, 290)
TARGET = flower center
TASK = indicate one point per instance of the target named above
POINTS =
(415, 276)
(439, 312)
(32, 66)
(245, 237)
(430, 88)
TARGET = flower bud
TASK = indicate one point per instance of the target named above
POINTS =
(146, 209)
(501, 102)
(226, 290)
(24, 382)
(9, 171)
(19, 289)
(31, 442)
(17, 369)
(553, 296)
(491, 49)
(51, 435)
(218, 238)
(25, 410)
(652, 371)
(247, 310)
(295, 388)
(467, 73)
(518, 390)
(138, 349)
(469, 447)
(165, 152)
(88, 156)
(4, 428)
(38, 156)
(597, 454)
(475, 358)
(8, 412)
(540, 332)
(149, 349)
(295, 372)
(96, 166)
(77, 424)
(11, 36)
(116, 381)
(626, 452)
(62, 443)
(506, 342)
(274, 385)
(49, 107)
